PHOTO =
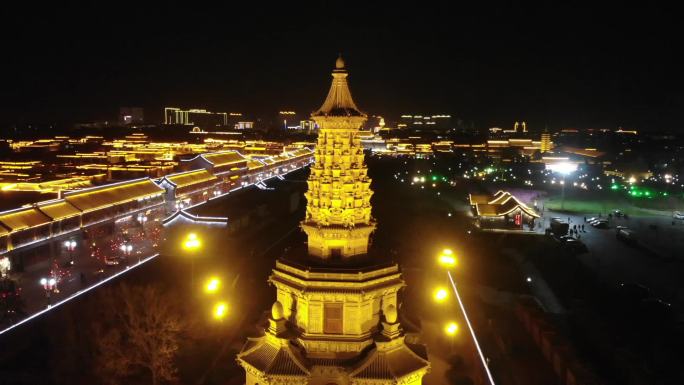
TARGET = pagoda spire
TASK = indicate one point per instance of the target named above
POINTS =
(338, 212)
(339, 101)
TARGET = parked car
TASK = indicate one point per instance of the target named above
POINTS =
(634, 292)
(626, 235)
(628, 296)
(656, 311)
(99, 274)
(114, 261)
(677, 215)
(575, 245)
(602, 224)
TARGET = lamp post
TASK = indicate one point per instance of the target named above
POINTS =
(448, 260)
(440, 295)
(49, 285)
(220, 311)
(191, 244)
(562, 182)
(126, 249)
(142, 219)
(212, 285)
(451, 329)
(70, 245)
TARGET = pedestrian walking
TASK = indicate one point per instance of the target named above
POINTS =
(582, 228)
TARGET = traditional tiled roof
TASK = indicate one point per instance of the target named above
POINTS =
(189, 178)
(268, 161)
(394, 363)
(254, 164)
(339, 101)
(111, 194)
(301, 152)
(58, 209)
(479, 199)
(499, 204)
(23, 218)
(510, 205)
(223, 158)
(500, 198)
(272, 359)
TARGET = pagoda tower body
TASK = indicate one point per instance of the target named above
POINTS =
(335, 321)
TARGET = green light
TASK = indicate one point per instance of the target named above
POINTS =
(614, 187)
(434, 177)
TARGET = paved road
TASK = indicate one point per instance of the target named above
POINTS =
(88, 267)
(615, 261)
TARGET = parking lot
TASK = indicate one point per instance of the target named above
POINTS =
(653, 261)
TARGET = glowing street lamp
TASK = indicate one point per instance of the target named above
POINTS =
(70, 245)
(212, 285)
(220, 311)
(49, 285)
(447, 258)
(441, 295)
(451, 329)
(126, 248)
(191, 244)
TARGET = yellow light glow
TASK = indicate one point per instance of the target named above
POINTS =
(451, 328)
(220, 310)
(441, 294)
(447, 258)
(191, 242)
(212, 285)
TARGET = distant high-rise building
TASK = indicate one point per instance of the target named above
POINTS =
(546, 144)
(520, 127)
(131, 115)
(195, 117)
(290, 120)
(425, 122)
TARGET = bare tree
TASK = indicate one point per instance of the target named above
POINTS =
(142, 338)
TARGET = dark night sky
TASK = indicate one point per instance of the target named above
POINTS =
(556, 65)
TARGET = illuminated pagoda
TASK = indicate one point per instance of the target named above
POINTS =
(335, 320)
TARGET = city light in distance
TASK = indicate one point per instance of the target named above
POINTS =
(563, 168)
